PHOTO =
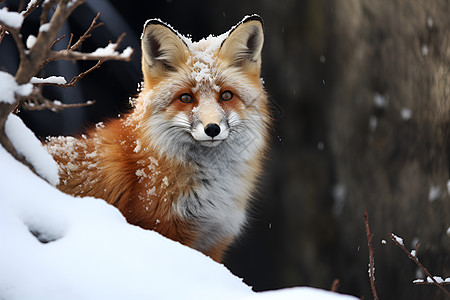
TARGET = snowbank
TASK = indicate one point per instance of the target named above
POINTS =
(30, 147)
(54, 246)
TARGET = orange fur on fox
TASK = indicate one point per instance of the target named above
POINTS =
(184, 162)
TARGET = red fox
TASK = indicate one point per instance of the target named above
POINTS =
(185, 161)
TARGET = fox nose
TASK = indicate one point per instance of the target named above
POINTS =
(212, 130)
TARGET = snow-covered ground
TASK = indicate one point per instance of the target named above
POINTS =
(54, 246)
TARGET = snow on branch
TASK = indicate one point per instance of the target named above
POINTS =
(436, 280)
(32, 5)
(10, 90)
(432, 280)
(101, 54)
(11, 19)
(36, 101)
(27, 145)
(40, 52)
(37, 52)
(371, 257)
(55, 80)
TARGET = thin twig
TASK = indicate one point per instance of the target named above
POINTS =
(54, 106)
(75, 55)
(335, 285)
(81, 75)
(31, 8)
(119, 40)
(86, 34)
(56, 41)
(70, 42)
(36, 101)
(371, 257)
(2, 33)
(75, 79)
(416, 260)
(32, 62)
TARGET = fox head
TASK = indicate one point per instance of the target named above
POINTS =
(203, 95)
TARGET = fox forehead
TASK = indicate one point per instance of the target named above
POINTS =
(203, 63)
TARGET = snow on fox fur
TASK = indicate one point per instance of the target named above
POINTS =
(185, 161)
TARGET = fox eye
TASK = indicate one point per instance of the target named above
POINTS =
(226, 96)
(186, 98)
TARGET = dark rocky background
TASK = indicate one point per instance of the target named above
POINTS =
(361, 99)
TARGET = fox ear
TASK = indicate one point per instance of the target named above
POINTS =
(163, 50)
(244, 42)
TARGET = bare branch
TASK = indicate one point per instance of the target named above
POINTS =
(32, 63)
(371, 257)
(57, 40)
(34, 59)
(85, 35)
(119, 40)
(70, 41)
(55, 106)
(75, 55)
(36, 101)
(414, 258)
(74, 80)
(81, 75)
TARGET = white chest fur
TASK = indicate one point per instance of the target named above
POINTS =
(215, 205)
